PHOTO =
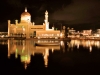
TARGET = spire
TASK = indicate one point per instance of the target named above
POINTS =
(46, 12)
(25, 9)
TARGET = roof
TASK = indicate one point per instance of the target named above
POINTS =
(25, 13)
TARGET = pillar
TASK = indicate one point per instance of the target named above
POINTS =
(27, 31)
(16, 22)
(8, 28)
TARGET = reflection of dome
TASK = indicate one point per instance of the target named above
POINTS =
(25, 59)
(25, 13)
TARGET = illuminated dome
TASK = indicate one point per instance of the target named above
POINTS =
(25, 16)
(25, 13)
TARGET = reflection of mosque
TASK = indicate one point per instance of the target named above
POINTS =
(85, 43)
(26, 48)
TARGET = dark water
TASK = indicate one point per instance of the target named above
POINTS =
(74, 57)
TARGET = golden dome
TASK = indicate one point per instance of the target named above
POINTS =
(25, 13)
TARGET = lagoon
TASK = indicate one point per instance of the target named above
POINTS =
(19, 57)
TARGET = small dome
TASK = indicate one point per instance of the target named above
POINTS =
(25, 13)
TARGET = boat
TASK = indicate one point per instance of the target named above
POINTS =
(47, 44)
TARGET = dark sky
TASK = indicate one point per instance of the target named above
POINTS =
(62, 11)
(12, 9)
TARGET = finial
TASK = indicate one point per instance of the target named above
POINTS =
(25, 9)
(46, 12)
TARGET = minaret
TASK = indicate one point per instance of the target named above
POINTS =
(46, 20)
(46, 15)
(8, 27)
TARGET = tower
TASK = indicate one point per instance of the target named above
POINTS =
(8, 27)
(46, 20)
(46, 15)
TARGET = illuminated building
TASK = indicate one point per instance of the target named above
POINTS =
(87, 32)
(26, 48)
(25, 28)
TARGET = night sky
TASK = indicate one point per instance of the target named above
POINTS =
(72, 13)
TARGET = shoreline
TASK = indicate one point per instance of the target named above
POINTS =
(96, 39)
(60, 39)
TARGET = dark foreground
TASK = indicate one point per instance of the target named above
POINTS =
(73, 61)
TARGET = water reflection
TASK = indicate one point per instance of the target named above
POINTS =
(85, 43)
(26, 48)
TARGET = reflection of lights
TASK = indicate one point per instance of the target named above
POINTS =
(77, 46)
(84, 43)
(33, 53)
(25, 52)
(8, 49)
(25, 66)
(52, 50)
(16, 55)
(23, 49)
(8, 55)
(46, 50)
(25, 58)
(90, 49)
(62, 45)
(46, 57)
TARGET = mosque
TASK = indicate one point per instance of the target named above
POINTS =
(26, 28)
